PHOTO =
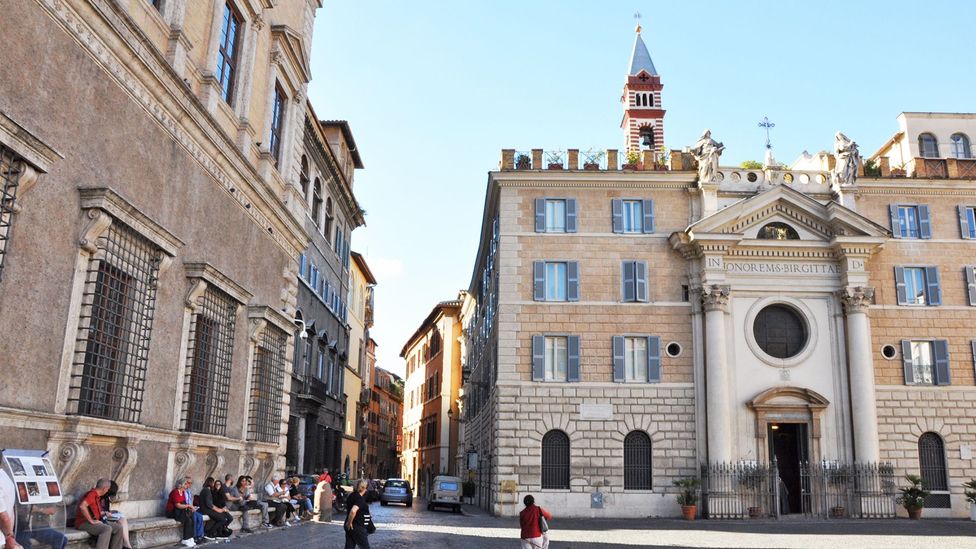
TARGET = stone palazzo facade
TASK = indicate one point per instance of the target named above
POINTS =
(152, 222)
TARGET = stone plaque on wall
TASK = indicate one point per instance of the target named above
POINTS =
(596, 412)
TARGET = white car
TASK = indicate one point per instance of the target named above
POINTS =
(445, 492)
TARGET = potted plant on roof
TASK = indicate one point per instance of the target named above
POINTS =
(688, 496)
(633, 160)
(971, 497)
(913, 496)
(554, 160)
(591, 159)
(522, 162)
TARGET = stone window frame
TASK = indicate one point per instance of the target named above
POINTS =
(250, 12)
(806, 315)
(808, 408)
(262, 318)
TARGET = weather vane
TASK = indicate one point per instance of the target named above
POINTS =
(637, 16)
(767, 124)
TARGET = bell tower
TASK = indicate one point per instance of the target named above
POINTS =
(643, 121)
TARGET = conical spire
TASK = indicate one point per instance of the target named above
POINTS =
(640, 60)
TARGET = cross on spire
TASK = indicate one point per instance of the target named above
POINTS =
(765, 123)
(637, 16)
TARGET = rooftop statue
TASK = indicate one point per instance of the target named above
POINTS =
(848, 160)
(707, 151)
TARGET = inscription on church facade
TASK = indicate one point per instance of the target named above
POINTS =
(782, 268)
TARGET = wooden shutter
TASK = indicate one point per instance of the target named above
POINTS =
(906, 361)
(573, 364)
(640, 280)
(893, 214)
(924, 222)
(648, 207)
(572, 281)
(940, 348)
(618, 215)
(653, 359)
(618, 358)
(973, 344)
(629, 289)
(963, 222)
(933, 288)
(900, 289)
(539, 280)
(570, 215)
(540, 215)
(538, 358)
(971, 283)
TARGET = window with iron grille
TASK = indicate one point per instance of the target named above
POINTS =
(267, 381)
(932, 466)
(11, 167)
(637, 461)
(115, 326)
(555, 461)
(227, 55)
(210, 351)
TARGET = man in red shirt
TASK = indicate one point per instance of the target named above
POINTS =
(89, 518)
(325, 476)
(532, 535)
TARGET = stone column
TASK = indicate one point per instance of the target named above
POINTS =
(856, 301)
(715, 300)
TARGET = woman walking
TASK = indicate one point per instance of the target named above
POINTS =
(357, 533)
(530, 519)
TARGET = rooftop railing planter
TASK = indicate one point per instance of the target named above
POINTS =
(554, 160)
(522, 162)
(592, 159)
(632, 160)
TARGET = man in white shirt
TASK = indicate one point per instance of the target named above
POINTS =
(278, 498)
(7, 513)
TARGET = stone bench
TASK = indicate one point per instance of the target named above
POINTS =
(156, 531)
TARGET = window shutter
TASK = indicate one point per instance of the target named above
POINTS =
(973, 344)
(629, 289)
(540, 215)
(539, 280)
(573, 364)
(538, 358)
(963, 221)
(893, 214)
(648, 207)
(618, 358)
(653, 359)
(934, 287)
(640, 280)
(618, 215)
(940, 348)
(570, 215)
(572, 281)
(900, 289)
(906, 361)
(302, 265)
(924, 221)
(971, 283)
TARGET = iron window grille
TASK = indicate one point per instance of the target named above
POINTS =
(209, 364)
(637, 461)
(115, 326)
(227, 55)
(932, 466)
(267, 386)
(555, 461)
(11, 167)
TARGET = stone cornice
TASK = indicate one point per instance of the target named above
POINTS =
(28, 146)
(210, 274)
(583, 179)
(112, 203)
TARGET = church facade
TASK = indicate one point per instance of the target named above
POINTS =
(629, 327)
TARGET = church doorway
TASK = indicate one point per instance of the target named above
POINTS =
(788, 443)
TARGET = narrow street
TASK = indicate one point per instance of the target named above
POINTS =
(400, 527)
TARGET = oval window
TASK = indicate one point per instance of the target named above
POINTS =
(780, 331)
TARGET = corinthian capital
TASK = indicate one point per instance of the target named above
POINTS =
(715, 297)
(857, 299)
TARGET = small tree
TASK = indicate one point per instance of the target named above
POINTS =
(688, 490)
(913, 496)
(751, 165)
(970, 490)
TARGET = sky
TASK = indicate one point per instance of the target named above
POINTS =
(434, 90)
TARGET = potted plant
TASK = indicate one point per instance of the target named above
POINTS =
(837, 476)
(554, 160)
(913, 496)
(752, 478)
(522, 162)
(591, 159)
(971, 497)
(688, 496)
(633, 159)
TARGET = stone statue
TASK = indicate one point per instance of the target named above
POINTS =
(706, 152)
(848, 159)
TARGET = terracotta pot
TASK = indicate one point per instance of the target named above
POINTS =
(689, 511)
(755, 512)
(629, 166)
(914, 513)
(555, 166)
(591, 166)
(837, 512)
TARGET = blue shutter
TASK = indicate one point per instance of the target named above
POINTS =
(924, 222)
(302, 264)
(540, 215)
(970, 283)
(900, 290)
(630, 293)
(963, 222)
(648, 208)
(653, 359)
(933, 286)
(618, 215)
(572, 281)
(618, 358)
(538, 358)
(940, 348)
(893, 214)
(539, 280)
(570, 215)
(906, 361)
(640, 280)
(973, 345)
(573, 364)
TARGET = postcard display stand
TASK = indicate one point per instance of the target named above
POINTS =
(40, 504)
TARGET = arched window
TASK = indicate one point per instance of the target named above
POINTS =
(303, 177)
(960, 146)
(650, 100)
(329, 219)
(928, 147)
(932, 467)
(316, 201)
(777, 231)
(555, 461)
(637, 461)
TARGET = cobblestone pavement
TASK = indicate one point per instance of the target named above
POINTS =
(400, 528)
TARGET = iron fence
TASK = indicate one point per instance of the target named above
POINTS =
(739, 490)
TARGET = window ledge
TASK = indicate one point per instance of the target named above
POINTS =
(631, 491)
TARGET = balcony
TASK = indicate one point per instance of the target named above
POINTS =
(943, 168)
(592, 160)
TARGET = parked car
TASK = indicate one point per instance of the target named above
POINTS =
(397, 490)
(446, 492)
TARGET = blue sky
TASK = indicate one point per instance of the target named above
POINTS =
(434, 91)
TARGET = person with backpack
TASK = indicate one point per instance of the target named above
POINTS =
(535, 529)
